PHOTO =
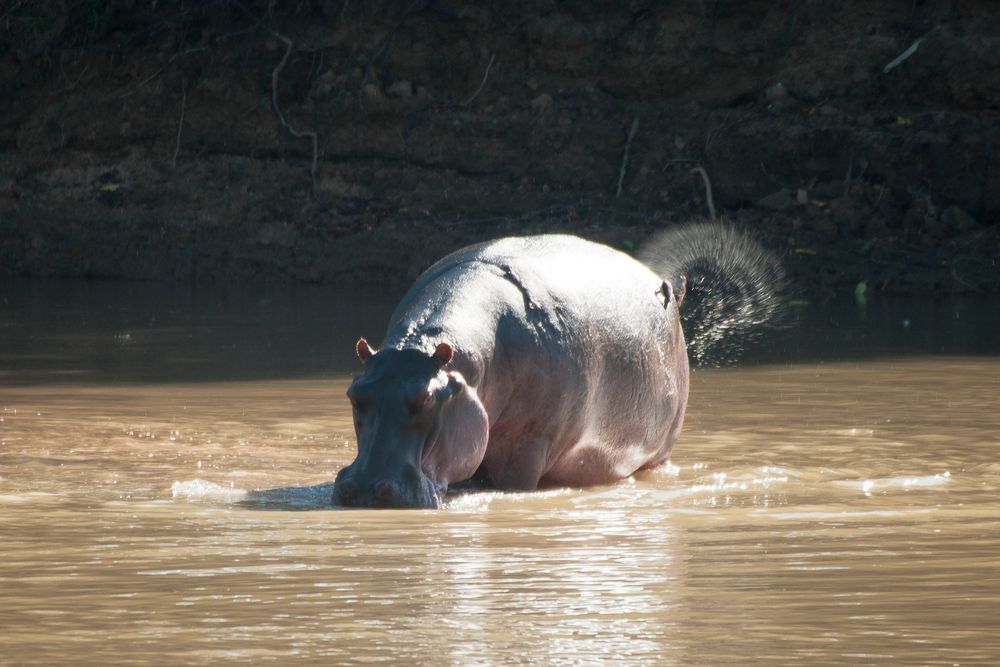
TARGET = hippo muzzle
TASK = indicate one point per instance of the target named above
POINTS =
(406, 487)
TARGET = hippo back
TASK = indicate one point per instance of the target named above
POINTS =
(557, 280)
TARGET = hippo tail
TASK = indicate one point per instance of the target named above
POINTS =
(734, 287)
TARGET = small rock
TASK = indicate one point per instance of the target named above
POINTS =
(827, 190)
(844, 212)
(339, 187)
(801, 196)
(956, 219)
(778, 97)
(781, 200)
(400, 89)
(776, 92)
(824, 228)
(931, 218)
(371, 91)
(542, 103)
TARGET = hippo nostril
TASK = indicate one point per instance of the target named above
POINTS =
(347, 492)
(384, 492)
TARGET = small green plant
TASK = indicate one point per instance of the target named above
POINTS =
(36, 19)
(861, 293)
(94, 12)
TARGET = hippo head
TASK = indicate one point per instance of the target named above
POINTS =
(419, 427)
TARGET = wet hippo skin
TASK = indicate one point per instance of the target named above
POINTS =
(524, 363)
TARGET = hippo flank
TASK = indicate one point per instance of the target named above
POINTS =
(523, 362)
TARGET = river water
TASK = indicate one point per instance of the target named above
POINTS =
(166, 458)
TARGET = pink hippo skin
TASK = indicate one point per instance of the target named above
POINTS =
(524, 363)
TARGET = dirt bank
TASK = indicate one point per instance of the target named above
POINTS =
(359, 141)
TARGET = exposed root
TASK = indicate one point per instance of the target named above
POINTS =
(275, 74)
(281, 117)
(708, 190)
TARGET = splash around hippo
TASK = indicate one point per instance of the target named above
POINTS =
(523, 363)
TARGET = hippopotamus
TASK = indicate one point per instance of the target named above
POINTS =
(520, 363)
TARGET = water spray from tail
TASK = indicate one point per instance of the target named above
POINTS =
(734, 289)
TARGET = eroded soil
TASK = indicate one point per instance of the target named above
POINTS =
(142, 140)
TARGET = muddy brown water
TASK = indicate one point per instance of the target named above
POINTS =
(166, 458)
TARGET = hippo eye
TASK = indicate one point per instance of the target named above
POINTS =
(420, 402)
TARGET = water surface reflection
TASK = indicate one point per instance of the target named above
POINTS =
(831, 512)
(99, 331)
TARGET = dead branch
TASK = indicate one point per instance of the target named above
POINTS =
(179, 54)
(901, 58)
(628, 145)
(482, 83)
(958, 279)
(708, 189)
(79, 78)
(281, 117)
(275, 74)
(128, 91)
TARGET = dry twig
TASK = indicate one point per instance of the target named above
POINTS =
(628, 145)
(481, 83)
(11, 9)
(180, 126)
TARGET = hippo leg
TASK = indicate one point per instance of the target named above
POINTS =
(524, 472)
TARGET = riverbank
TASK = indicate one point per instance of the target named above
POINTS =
(356, 143)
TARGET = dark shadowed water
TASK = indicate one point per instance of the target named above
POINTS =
(166, 456)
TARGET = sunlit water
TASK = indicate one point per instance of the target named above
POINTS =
(814, 513)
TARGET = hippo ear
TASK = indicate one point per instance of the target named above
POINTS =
(679, 283)
(443, 354)
(677, 286)
(456, 383)
(364, 350)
